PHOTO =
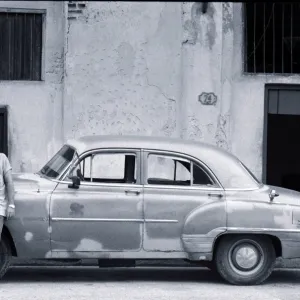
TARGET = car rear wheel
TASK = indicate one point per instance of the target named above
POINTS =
(245, 260)
(5, 256)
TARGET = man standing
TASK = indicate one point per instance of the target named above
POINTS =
(7, 192)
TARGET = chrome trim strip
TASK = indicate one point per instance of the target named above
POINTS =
(241, 229)
(182, 187)
(160, 221)
(132, 186)
(96, 220)
(113, 220)
(242, 189)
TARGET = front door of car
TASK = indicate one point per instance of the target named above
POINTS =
(174, 187)
(105, 213)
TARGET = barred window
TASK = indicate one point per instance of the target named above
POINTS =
(20, 46)
(272, 37)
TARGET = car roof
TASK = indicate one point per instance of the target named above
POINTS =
(85, 143)
(226, 167)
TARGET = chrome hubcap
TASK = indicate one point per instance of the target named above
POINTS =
(246, 257)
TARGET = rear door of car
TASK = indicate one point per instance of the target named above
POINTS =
(174, 186)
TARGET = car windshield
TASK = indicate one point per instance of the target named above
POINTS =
(58, 162)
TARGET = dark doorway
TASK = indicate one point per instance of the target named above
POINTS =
(3, 131)
(282, 155)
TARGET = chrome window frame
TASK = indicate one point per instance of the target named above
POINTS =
(83, 155)
(144, 156)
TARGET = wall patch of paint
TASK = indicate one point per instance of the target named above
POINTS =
(227, 17)
(126, 58)
(221, 132)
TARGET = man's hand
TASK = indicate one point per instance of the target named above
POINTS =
(10, 212)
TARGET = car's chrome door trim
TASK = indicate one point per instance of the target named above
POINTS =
(243, 229)
(183, 187)
(160, 221)
(114, 220)
(96, 220)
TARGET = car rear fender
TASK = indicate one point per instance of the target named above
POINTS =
(203, 225)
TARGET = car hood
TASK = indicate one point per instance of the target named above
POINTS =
(32, 182)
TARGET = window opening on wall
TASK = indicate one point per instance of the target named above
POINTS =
(272, 37)
(21, 46)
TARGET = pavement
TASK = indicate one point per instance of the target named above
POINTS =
(146, 283)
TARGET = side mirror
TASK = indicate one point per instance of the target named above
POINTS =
(75, 182)
(273, 194)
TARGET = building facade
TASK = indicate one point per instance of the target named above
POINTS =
(183, 69)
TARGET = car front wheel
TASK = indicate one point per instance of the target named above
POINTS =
(245, 260)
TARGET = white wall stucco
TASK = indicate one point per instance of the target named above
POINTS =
(123, 69)
(34, 116)
(138, 68)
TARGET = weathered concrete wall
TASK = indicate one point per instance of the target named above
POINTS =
(123, 72)
(212, 56)
(202, 73)
(247, 102)
(35, 128)
(138, 68)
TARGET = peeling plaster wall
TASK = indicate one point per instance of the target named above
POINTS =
(202, 72)
(34, 116)
(247, 97)
(123, 72)
(138, 68)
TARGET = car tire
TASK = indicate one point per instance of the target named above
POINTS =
(245, 260)
(5, 256)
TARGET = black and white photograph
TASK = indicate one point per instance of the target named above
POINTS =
(149, 150)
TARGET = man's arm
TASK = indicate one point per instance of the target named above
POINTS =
(9, 185)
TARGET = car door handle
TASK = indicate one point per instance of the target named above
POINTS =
(132, 192)
(215, 195)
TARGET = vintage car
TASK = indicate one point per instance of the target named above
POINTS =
(119, 199)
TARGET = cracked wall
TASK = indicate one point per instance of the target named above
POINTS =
(202, 72)
(35, 107)
(123, 71)
(138, 68)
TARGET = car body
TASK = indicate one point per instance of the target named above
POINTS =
(129, 197)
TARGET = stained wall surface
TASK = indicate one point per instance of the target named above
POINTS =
(138, 68)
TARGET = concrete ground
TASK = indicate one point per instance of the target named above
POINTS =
(140, 283)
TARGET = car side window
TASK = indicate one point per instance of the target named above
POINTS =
(200, 177)
(169, 170)
(107, 168)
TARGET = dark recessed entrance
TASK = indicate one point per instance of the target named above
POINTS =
(282, 139)
(3, 130)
